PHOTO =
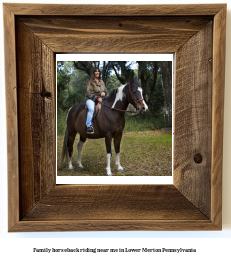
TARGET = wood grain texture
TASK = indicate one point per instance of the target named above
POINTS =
(218, 114)
(114, 225)
(193, 126)
(113, 202)
(36, 118)
(114, 10)
(12, 121)
(194, 201)
(113, 207)
(114, 34)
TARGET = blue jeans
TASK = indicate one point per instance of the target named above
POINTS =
(91, 107)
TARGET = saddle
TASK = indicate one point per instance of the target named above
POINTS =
(96, 111)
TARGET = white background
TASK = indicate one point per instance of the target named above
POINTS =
(210, 245)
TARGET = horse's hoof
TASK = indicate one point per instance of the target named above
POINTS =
(109, 174)
(120, 169)
(81, 167)
(71, 168)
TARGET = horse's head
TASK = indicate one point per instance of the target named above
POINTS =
(136, 94)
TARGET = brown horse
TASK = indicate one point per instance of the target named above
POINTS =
(109, 124)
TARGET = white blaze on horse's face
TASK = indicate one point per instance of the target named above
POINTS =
(144, 105)
(119, 95)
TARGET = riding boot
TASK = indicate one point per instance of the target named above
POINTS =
(90, 130)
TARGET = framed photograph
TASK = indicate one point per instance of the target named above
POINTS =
(34, 35)
(145, 146)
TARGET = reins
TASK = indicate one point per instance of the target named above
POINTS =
(117, 109)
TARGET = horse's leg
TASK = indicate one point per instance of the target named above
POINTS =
(79, 148)
(108, 139)
(71, 140)
(117, 140)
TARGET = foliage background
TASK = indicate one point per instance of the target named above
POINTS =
(155, 78)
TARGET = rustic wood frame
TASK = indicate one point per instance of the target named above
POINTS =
(196, 34)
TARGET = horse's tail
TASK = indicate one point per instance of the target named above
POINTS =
(64, 156)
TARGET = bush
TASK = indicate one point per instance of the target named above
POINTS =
(133, 123)
(143, 122)
(61, 121)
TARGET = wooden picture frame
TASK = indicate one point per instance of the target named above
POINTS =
(33, 34)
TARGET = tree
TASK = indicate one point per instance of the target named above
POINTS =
(157, 102)
(122, 71)
(85, 66)
(166, 73)
(63, 79)
(148, 72)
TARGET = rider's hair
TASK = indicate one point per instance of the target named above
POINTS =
(92, 75)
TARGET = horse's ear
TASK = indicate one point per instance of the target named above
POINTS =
(131, 81)
(134, 84)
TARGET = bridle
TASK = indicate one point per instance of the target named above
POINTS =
(135, 101)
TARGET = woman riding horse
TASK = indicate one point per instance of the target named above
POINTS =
(109, 124)
(95, 91)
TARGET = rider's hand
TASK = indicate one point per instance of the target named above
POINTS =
(99, 99)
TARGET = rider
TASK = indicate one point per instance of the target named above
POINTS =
(95, 91)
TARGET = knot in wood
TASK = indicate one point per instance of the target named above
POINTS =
(45, 94)
(198, 158)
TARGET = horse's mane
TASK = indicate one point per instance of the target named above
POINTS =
(113, 92)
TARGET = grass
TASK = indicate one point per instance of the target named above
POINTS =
(145, 149)
(143, 153)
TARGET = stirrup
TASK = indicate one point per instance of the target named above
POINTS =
(90, 130)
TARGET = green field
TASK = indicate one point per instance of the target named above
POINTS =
(143, 153)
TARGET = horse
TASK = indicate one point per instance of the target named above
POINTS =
(109, 123)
